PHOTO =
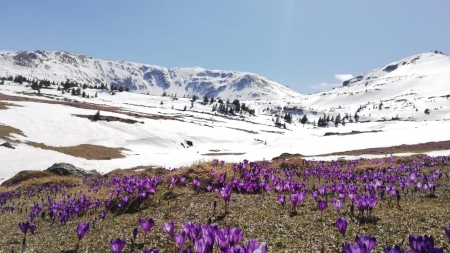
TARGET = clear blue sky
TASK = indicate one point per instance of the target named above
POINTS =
(301, 44)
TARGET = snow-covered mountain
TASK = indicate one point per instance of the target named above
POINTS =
(402, 90)
(403, 102)
(141, 78)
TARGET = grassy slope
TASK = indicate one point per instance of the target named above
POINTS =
(260, 216)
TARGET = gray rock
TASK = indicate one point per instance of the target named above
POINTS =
(7, 145)
(67, 169)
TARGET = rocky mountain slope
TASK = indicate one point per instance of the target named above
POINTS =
(141, 78)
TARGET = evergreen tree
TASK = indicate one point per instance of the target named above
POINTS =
(84, 94)
(95, 94)
(121, 89)
(338, 119)
(184, 108)
(304, 119)
(97, 116)
(205, 99)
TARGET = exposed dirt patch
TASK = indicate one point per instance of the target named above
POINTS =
(6, 131)
(26, 175)
(4, 105)
(87, 151)
(109, 118)
(243, 130)
(413, 148)
(219, 154)
(273, 132)
(87, 106)
(351, 133)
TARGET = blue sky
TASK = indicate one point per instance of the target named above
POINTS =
(301, 44)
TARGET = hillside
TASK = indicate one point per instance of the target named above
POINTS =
(141, 78)
(139, 129)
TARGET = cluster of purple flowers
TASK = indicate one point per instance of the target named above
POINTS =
(337, 181)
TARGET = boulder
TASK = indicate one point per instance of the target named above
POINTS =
(67, 169)
(7, 145)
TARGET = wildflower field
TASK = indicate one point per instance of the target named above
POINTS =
(287, 205)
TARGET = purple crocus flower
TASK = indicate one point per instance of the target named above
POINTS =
(254, 246)
(32, 228)
(169, 228)
(447, 232)
(117, 245)
(423, 244)
(282, 200)
(235, 235)
(24, 226)
(125, 198)
(322, 204)
(103, 214)
(31, 217)
(225, 193)
(337, 204)
(341, 224)
(348, 247)
(82, 230)
(179, 239)
(367, 241)
(146, 225)
(135, 232)
(150, 251)
(395, 249)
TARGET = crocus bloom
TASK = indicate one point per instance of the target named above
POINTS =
(82, 229)
(395, 249)
(369, 242)
(447, 232)
(423, 244)
(32, 229)
(341, 224)
(103, 214)
(337, 204)
(117, 245)
(322, 205)
(282, 200)
(179, 239)
(24, 226)
(146, 225)
(151, 251)
(254, 246)
(135, 232)
(168, 228)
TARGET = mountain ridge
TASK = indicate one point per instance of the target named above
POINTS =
(141, 78)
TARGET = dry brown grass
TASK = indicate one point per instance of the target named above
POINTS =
(87, 106)
(86, 151)
(4, 105)
(6, 131)
(109, 119)
(25, 175)
(404, 148)
(260, 216)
